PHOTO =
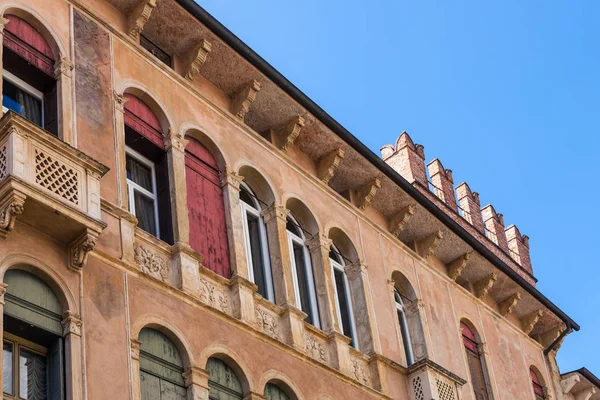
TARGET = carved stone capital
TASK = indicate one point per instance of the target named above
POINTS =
(427, 246)
(176, 141)
(483, 286)
(328, 165)
(138, 18)
(3, 287)
(135, 349)
(3, 22)
(355, 269)
(319, 241)
(196, 59)
(529, 321)
(508, 305)
(71, 324)
(80, 248)
(120, 101)
(273, 212)
(240, 104)
(13, 207)
(195, 376)
(400, 220)
(62, 67)
(367, 193)
(285, 137)
(231, 179)
(456, 267)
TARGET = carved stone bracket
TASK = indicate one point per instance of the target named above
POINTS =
(456, 267)
(62, 67)
(551, 335)
(138, 18)
(240, 104)
(400, 220)
(568, 383)
(151, 263)
(196, 59)
(585, 394)
(120, 101)
(71, 324)
(367, 193)
(135, 349)
(80, 249)
(13, 207)
(230, 178)
(508, 305)
(426, 247)
(483, 286)
(328, 165)
(285, 137)
(529, 321)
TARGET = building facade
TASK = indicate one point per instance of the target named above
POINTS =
(179, 221)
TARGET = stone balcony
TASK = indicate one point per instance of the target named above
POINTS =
(49, 185)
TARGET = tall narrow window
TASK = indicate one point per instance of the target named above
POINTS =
(257, 250)
(475, 362)
(28, 80)
(538, 387)
(343, 300)
(147, 170)
(223, 382)
(404, 329)
(161, 367)
(304, 283)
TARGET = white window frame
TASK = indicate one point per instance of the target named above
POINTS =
(335, 265)
(132, 186)
(26, 87)
(404, 329)
(301, 241)
(248, 209)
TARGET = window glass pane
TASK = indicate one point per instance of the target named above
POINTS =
(7, 368)
(32, 375)
(256, 253)
(343, 303)
(21, 102)
(144, 211)
(139, 173)
(246, 197)
(292, 227)
(303, 282)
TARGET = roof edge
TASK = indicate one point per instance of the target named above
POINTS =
(586, 374)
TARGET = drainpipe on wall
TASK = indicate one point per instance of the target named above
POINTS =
(559, 339)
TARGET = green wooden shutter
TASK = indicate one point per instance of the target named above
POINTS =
(223, 382)
(56, 378)
(31, 300)
(161, 367)
(273, 392)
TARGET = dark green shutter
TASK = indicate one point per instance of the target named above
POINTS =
(56, 368)
(223, 382)
(273, 392)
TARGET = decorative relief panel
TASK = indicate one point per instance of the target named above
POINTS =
(315, 348)
(150, 263)
(359, 368)
(213, 296)
(268, 323)
(56, 177)
(418, 388)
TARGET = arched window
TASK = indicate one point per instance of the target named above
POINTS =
(206, 208)
(404, 330)
(161, 367)
(274, 392)
(33, 356)
(304, 283)
(223, 382)
(343, 300)
(257, 249)
(147, 169)
(538, 387)
(28, 80)
(476, 364)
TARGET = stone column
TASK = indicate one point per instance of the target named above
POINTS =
(119, 127)
(135, 369)
(175, 147)
(3, 287)
(415, 316)
(196, 382)
(319, 247)
(358, 280)
(64, 98)
(230, 182)
(241, 292)
(281, 264)
(3, 22)
(71, 325)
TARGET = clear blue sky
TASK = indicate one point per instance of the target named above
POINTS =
(506, 94)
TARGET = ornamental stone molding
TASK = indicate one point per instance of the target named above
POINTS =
(367, 193)
(267, 323)
(231, 179)
(135, 349)
(120, 101)
(329, 164)
(138, 18)
(483, 286)
(358, 371)
(507, 306)
(71, 324)
(400, 220)
(427, 246)
(175, 140)
(529, 321)
(63, 67)
(14, 207)
(80, 249)
(285, 138)
(213, 296)
(196, 58)
(151, 263)
(273, 212)
(314, 348)
(241, 102)
(456, 267)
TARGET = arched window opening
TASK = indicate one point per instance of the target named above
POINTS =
(404, 329)
(28, 81)
(274, 392)
(343, 299)
(33, 348)
(304, 283)
(538, 387)
(476, 364)
(223, 382)
(147, 170)
(161, 367)
(206, 208)
(257, 249)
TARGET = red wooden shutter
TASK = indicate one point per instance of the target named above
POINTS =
(26, 41)
(475, 364)
(206, 210)
(140, 118)
(538, 388)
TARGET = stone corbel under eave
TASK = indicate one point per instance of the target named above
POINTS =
(551, 335)
(483, 286)
(196, 58)
(568, 383)
(13, 206)
(426, 247)
(329, 164)
(80, 248)
(507, 306)
(456, 267)
(529, 321)
(139, 17)
(400, 220)
(584, 394)
(285, 138)
(366, 194)
(240, 104)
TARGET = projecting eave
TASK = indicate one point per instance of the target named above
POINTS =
(581, 383)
